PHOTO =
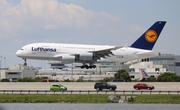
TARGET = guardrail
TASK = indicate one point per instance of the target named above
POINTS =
(87, 92)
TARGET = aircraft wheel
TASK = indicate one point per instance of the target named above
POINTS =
(25, 64)
(86, 66)
(82, 67)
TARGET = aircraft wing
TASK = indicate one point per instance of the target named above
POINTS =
(108, 49)
(104, 52)
(98, 53)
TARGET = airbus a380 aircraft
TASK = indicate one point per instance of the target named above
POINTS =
(88, 55)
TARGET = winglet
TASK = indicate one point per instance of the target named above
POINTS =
(149, 38)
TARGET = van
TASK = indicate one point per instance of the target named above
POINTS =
(49, 80)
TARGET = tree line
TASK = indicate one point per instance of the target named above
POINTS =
(121, 74)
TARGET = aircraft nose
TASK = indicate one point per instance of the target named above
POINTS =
(18, 53)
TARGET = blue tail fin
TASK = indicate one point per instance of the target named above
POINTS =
(149, 38)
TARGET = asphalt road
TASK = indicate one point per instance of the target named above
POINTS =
(169, 86)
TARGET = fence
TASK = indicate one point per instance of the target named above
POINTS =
(86, 92)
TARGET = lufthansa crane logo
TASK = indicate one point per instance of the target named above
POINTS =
(151, 36)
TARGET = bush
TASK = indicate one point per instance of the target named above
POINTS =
(79, 80)
(122, 74)
(168, 77)
(150, 79)
(5, 80)
(26, 79)
(38, 79)
(106, 79)
(67, 80)
(131, 99)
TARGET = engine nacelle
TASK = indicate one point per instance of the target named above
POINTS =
(86, 56)
(68, 59)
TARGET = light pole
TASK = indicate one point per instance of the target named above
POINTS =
(1, 62)
(72, 70)
(4, 62)
(0, 65)
(0, 69)
(174, 64)
(100, 69)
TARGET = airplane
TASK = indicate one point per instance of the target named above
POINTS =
(144, 74)
(89, 55)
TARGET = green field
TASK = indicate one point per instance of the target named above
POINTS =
(174, 99)
(84, 98)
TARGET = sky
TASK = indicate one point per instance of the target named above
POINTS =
(99, 22)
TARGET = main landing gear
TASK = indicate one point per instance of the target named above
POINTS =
(87, 67)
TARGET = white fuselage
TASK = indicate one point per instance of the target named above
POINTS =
(53, 51)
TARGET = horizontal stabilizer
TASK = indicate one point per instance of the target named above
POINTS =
(149, 53)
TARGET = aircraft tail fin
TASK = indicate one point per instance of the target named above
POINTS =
(143, 73)
(149, 38)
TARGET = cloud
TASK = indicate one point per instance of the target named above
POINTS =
(136, 28)
(48, 15)
(50, 21)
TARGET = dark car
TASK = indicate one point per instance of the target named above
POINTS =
(104, 85)
(139, 86)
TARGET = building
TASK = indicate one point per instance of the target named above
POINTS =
(17, 71)
(169, 61)
(154, 66)
(153, 70)
(56, 65)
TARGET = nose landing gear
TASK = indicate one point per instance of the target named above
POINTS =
(25, 64)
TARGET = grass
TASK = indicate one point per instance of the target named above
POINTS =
(84, 98)
(57, 98)
(174, 99)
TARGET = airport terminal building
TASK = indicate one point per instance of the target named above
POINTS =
(169, 61)
(153, 66)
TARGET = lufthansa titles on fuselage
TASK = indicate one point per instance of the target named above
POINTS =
(42, 49)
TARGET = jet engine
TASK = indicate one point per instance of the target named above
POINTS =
(68, 59)
(86, 56)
